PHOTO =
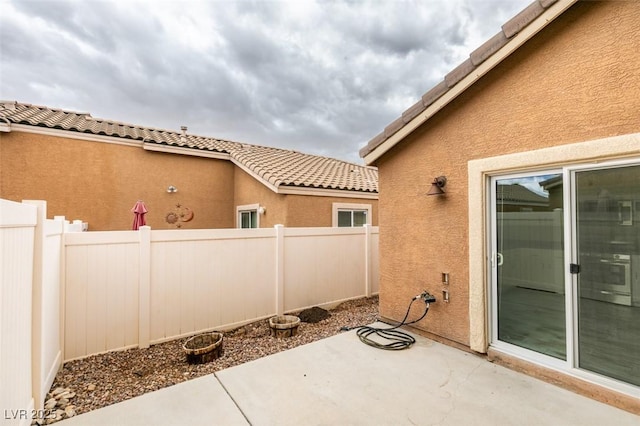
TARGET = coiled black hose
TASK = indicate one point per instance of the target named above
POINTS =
(398, 340)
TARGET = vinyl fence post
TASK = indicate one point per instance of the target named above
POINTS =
(279, 269)
(37, 304)
(63, 286)
(367, 260)
(144, 290)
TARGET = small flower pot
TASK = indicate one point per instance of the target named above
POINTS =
(284, 325)
(203, 348)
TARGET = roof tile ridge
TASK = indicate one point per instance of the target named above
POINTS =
(304, 154)
(245, 159)
(105, 121)
(130, 125)
(259, 170)
(47, 108)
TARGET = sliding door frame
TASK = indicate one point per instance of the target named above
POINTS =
(569, 366)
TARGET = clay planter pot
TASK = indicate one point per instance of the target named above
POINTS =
(284, 325)
(203, 348)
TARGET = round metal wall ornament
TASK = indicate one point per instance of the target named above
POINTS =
(179, 215)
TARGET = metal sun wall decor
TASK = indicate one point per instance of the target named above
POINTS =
(179, 215)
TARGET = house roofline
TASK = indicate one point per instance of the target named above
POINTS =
(278, 188)
(324, 192)
(195, 146)
(149, 145)
(68, 134)
(475, 67)
(255, 175)
(172, 149)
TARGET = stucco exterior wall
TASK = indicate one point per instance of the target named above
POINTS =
(304, 211)
(575, 81)
(249, 191)
(99, 183)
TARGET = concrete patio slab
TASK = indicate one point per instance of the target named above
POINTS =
(201, 401)
(340, 380)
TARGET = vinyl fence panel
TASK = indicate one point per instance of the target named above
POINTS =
(17, 233)
(210, 279)
(323, 265)
(101, 292)
(135, 288)
(46, 298)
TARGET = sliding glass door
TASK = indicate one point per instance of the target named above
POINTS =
(608, 252)
(565, 269)
(528, 263)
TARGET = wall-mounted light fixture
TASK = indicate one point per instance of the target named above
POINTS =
(171, 189)
(261, 210)
(437, 185)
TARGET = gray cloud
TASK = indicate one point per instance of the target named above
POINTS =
(318, 77)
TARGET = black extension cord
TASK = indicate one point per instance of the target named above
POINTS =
(398, 340)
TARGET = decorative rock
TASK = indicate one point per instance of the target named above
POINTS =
(57, 391)
(69, 411)
(91, 387)
(64, 395)
(58, 406)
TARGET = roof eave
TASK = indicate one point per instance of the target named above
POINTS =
(194, 152)
(72, 134)
(376, 148)
(326, 192)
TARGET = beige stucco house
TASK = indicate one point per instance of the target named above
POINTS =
(552, 104)
(95, 170)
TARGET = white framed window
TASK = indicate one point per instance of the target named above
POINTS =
(350, 215)
(248, 216)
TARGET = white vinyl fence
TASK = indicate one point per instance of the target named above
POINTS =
(17, 229)
(30, 323)
(134, 288)
(46, 301)
(66, 295)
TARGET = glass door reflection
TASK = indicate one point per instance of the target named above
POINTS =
(607, 248)
(530, 257)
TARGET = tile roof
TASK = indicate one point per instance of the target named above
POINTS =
(291, 168)
(277, 167)
(516, 193)
(476, 58)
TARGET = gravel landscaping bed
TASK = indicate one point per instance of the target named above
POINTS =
(105, 379)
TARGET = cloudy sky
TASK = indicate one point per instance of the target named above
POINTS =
(321, 77)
